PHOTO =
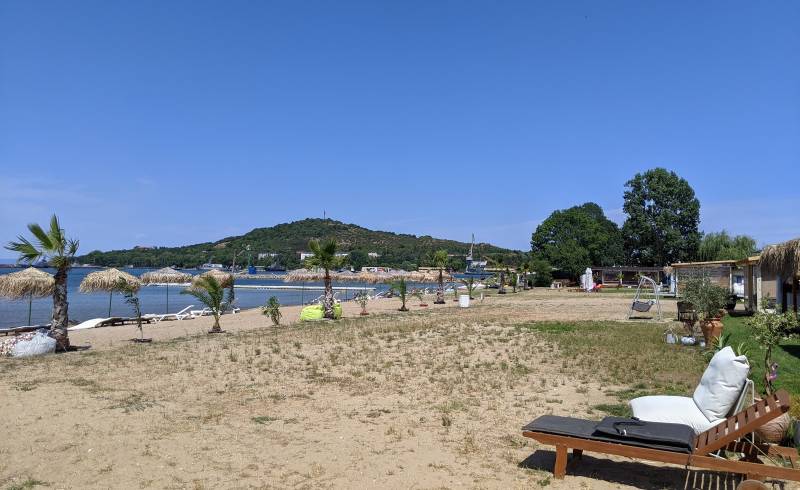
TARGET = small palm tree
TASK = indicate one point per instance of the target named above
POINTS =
(514, 280)
(59, 251)
(401, 288)
(440, 262)
(325, 258)
(128, 290)
(526, 269)
(208, 291)
(273, 310)
(620, 277)
(470, 284)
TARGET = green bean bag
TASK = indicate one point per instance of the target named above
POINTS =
(315, 312)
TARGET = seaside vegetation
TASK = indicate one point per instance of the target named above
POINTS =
(54, 247)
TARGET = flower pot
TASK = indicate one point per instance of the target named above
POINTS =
(711, 329)
(774, 430)
(796, 439)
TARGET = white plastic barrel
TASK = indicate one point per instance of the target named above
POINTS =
(463, 301)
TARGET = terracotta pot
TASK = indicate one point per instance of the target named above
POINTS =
(711, 329)
(774, 430)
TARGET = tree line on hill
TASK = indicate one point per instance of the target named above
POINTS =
(661, 228)
(279, 246)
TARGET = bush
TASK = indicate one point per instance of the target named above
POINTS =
(706, 297)
(542, 273)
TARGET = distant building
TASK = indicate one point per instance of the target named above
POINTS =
(373, 255)
(265, 255)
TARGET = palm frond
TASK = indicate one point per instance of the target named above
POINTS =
(45, 241)
(56, 234)
(27, 251)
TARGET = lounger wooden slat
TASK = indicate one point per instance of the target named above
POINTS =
(724, 435)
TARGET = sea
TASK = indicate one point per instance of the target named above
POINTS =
(84, 306)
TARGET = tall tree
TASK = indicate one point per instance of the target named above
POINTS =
(59, 251)
(440, 262)
(663, 216)
(576, 238)
(722, 246)
(325, 258)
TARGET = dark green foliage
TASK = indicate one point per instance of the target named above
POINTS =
(663, 216)
(706, 296)
(542, 273)
(289, 238)
(721, 246)
(576, 238)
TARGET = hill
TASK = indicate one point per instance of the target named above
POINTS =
(287, 239)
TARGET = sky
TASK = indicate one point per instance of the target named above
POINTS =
(170, 123)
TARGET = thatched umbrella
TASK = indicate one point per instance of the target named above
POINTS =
(225, 279)
(783, 260)
(108, 280)
(166, 276)
(28, 283)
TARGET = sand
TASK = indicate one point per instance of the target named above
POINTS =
(434, 398)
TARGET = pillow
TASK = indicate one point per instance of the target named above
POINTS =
(671, 409)
(721, 384)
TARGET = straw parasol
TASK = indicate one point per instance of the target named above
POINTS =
(224, 279)
(28, 283)
(782, 259)
(108, 280)
(167, 276)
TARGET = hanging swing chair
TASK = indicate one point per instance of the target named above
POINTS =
(647, 296)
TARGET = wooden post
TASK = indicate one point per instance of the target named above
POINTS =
(561, 462)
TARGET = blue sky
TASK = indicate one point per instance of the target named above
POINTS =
(166, 123)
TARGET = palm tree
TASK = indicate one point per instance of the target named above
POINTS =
(401, 288)
(470, 284)
(325, 258)
(210, 292)
(59, 251)
(440, 262)
(129, 291)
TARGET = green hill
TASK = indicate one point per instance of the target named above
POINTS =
(287, 239)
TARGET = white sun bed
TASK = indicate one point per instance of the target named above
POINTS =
(93, 323)
(181, 315)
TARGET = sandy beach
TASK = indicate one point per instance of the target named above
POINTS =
(433, 398)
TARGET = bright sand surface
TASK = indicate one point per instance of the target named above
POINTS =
(433, 398)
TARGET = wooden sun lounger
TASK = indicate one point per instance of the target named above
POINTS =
(727, 435)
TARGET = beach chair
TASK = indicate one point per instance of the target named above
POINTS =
(667, 443)
(181, 315)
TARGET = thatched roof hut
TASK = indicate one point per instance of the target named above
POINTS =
(28, 283)
(225, 279)
(782, 259)
(167, 275)
(108, 280)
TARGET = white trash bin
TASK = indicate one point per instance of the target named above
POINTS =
(463, 301)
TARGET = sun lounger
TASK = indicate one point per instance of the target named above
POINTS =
(669, 444)
(181, 315)
(203, 312)
(93, 323)
(23, 329)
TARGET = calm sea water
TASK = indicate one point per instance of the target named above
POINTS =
(153, 299)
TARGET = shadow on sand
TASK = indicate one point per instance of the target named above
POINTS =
(638, 474)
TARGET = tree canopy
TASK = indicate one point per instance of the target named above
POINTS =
(576, 238)
(722, 246)
(663, 218)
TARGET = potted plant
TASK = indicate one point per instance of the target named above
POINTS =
(708, 300)
(362, 299)
(769, 328)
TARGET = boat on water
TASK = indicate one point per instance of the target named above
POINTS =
(209, 267)
(475, 267)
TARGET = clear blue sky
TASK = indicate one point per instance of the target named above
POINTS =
(164, 123)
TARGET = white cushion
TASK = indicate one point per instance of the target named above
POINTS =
(721, 384)
(671, 409)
